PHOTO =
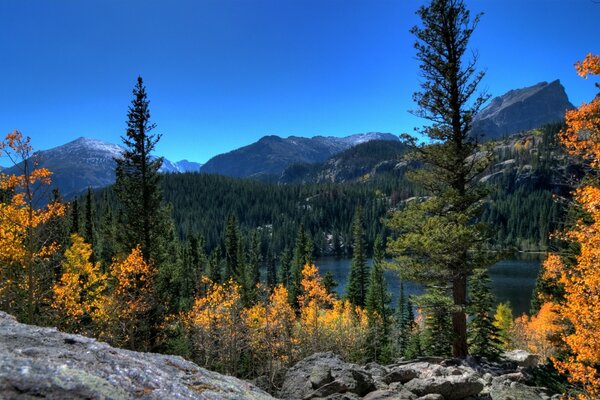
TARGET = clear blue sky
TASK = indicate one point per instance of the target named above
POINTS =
(222, 73)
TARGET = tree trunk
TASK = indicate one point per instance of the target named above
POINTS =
(459, 318)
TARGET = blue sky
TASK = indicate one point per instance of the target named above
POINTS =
(223, 73)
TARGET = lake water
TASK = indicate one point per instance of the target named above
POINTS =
(512, 280)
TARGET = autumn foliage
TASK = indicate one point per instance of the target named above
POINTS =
(25, 240)
(580, 279)
(80, 294)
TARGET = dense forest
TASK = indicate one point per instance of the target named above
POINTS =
(222, 271)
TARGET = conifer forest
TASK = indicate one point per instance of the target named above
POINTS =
(224, 271)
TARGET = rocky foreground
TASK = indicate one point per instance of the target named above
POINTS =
(44, 363)
(40, 362)
(326, 376)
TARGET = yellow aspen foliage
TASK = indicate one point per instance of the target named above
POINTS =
(539, 333)
(25, 244)
(503, 320)
(313, 302)
(270, 330)
(581, 279)
(79, 295)
(347, 328)
(130, 301)
(327, 324)
(216, 327)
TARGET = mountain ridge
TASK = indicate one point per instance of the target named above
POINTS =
(271, 154)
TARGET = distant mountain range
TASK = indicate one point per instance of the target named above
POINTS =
(271, 155)
(86, 162)
(521, 110)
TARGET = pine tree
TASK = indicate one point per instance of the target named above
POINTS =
(377, 305)
(436, 308)
(108, 233)
(358, 280)
(271, 269)
(284, 268)
(302, 256)
(214, 266)
(483, 335)
(438, 241)
(143, 218)
(232, 240)
(252, 271)
(75, 216)
(404, 322)
(90, 224)
(138, 183)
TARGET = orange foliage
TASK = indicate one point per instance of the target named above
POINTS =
(581, 281)
(130, 300)
(24, 244)
(540, 332)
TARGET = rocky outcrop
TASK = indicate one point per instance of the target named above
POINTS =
(327, 376)
(522, 109)
(40, 362)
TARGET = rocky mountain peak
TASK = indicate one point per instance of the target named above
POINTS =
(522, 109)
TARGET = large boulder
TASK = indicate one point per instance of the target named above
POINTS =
(40, 362)
(522, 358)
(324, 374)
(452, 387)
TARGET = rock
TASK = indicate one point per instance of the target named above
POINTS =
(324, 374)
(43, 362)
(452, 387)
(522, 358)
(432, 396)
(388, 394)
(515, 391)
(402, 374)
(522, 109)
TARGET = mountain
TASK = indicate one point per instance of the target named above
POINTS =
(270, 156)
(86, 162)
(356, 163)
(522, 109)
(179, 166)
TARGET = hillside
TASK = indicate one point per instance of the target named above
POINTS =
(271, 155)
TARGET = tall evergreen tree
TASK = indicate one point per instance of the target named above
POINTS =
(377, 304)
(358, 280)
(214, 266)
(75, 217)
(405, 322)
(232, 241)
(438, 242)
(108, 233)
(271, 269)
(252, 269)
(484, 337)
(143, 218)
(303, 250)
(284, 268)
(90, 224)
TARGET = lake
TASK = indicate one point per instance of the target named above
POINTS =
(512, 280)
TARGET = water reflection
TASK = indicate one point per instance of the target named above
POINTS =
(512, 280)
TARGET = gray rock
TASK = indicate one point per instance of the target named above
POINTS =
(402, 374)
(432, 396)
(522, 109)
(452, 387)
(401, 394)
(43, 362)
(303, 379)
(522, 358)
(515, 391)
